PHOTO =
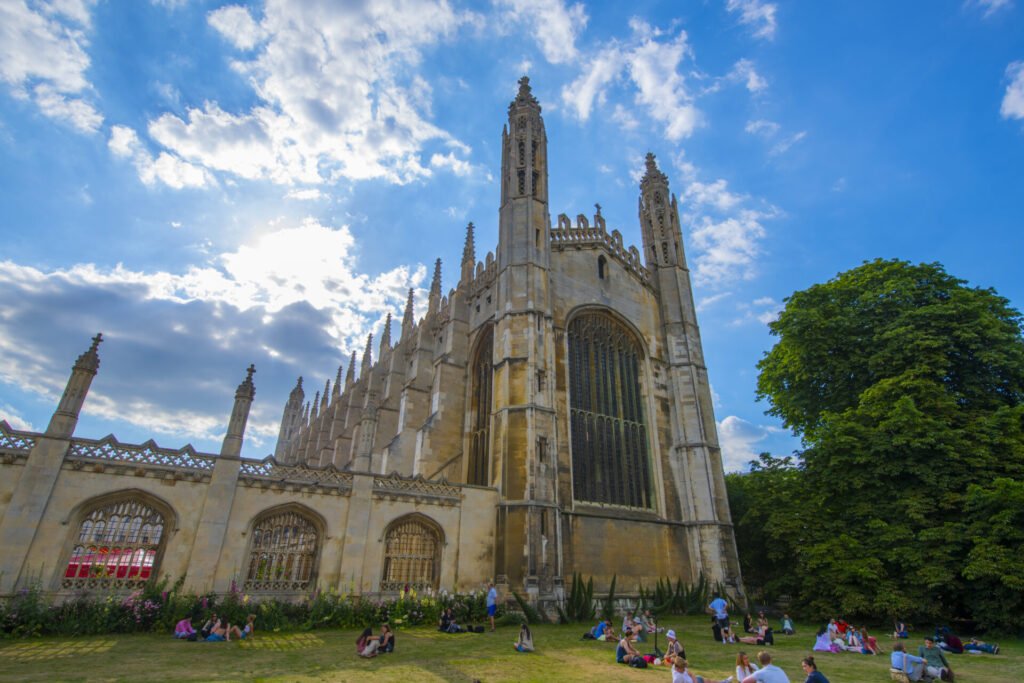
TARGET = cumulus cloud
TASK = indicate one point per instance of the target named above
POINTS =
(14, 419)
(715, 194)
(738, 439)
(43, 58)
(554, 25)
(1013, 101)
(653, 62)
(744, 72)
(167, 168)
(757, 14)
(337, 94)
(290, 300)
(727, 248)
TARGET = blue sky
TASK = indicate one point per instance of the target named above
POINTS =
(212, 185)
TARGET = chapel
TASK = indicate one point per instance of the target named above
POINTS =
(550, 415)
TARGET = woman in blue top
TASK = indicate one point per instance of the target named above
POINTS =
(813, 675)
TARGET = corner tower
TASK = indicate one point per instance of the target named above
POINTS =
(695, 471)
(523, 418)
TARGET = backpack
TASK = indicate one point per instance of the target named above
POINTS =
(638, 663)
(588, 636)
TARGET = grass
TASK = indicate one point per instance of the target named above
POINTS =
(426, 655)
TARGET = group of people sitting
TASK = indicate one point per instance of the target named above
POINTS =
(216, 629)
(839, 636)
(446, 624)
(369, 645)
(930, 661)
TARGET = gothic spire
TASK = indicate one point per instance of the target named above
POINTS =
(350, 376)
(90, 360)
(297, 393)
(367, 356)
(407, 320)
(385, 338)
(434, 300)
(468, 255)
(525, 96)
(327, 393)
(315, 408)
(337, 384)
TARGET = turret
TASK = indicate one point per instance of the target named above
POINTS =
(468, 256)
(291, 420)
(659, 220)
(232, 445)
(62, 424)
(434, 299)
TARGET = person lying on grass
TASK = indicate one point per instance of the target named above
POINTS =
(681, 674)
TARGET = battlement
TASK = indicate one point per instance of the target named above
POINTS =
(582, 234)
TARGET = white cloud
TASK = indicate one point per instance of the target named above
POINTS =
(167, 168)
(714, 194)
(290, 300)
(554, 25)
(744, 71)
(1013, 101)
(757, 14)
(237, 25)
(652, 59)
(14, 419)
(337, 93)
(763, 310)
(310, 193)
(991, 6)
(459, 167)
(762, 127)
(737, 438)
(784, 145)
(727, 249)
(43, 58)
(709, 301)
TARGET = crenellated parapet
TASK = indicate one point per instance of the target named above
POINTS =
(566, 236)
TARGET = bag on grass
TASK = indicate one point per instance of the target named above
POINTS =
(898, 675)
(588, 636)
(638, 663)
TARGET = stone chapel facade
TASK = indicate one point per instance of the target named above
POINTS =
(550, 415)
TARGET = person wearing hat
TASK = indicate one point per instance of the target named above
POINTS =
(673, 649)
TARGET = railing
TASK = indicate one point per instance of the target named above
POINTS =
(416, 486)
(149, 453)
(13, 440)
(268, 470)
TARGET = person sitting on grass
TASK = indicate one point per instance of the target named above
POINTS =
(207, 628)
(184, 629)
(869, 644)
(909, 664)
(673, 649)
(681, 674)
(787, 625)
(367, 645)
(935, 660)
(768, 673)
(748, 624)
(823, 643)
(900, 630)
(626, 652)
(525, 641)
(976, 647)
(447, 622)
(744, 667)
(220, 632)
(811, 669)
(760, 638)
(602, 630)
(387, 639)
(247, 632)
(649, 623)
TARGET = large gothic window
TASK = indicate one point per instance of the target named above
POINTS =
(609, 438)
(412, 555)
(118, 545)
(480, 410)
(282, 553)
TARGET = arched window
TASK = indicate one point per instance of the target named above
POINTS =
(118, 545)
(412, 555)
(609, 437)
(602, 264)
(283, 552)
(480, 410)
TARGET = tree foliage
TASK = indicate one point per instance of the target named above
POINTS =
(906, 387)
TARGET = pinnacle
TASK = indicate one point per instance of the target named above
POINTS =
(653, 172)
(525, 96)
(90, 360)
(435, 284)
(407, 316)
(367, 355)
(469, 250)
(385, 338)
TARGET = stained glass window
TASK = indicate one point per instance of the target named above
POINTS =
(117, 546)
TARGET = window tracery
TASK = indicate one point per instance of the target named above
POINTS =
(412, 556)
(283, 553)
(480, 407)
(608, 432)
(118, 546)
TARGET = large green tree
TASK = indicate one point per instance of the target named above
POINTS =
(906, 386)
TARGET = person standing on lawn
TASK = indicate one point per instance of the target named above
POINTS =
(492, 603)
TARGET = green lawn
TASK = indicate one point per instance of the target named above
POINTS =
(425, 655)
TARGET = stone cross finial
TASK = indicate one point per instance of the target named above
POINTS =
(297, 392)
(96, 341)
(90, 360)
(525, 95)
(598, 207)
(653, 172)
(250, 371)
(246, 388)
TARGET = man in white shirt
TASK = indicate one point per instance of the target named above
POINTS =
(768, 673)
